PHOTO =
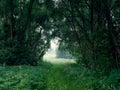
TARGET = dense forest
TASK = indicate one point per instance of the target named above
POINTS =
(89, 30)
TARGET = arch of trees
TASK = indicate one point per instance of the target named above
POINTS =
(87, 29)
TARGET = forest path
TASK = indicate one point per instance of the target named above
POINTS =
(65, 74)
(58, 79)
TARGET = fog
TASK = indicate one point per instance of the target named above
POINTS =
(53, 48)
(50, 55)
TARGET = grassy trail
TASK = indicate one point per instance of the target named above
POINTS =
(58, 80)
(65, 74)
(47, 76)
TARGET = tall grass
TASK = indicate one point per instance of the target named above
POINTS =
(22, 78)
(65, 75)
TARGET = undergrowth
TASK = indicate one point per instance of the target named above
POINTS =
(56, 77)
(23, 78)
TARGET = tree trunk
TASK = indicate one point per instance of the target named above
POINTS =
(92, 32)
(12, 21)
(115, 50)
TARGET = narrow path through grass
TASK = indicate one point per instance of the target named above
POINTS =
(65, 74)
(57, 79)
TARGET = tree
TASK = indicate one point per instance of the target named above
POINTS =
(87, 27)
(24, 34)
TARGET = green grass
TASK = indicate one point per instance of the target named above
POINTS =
(22, 78)
(64, 75)
(57, 80)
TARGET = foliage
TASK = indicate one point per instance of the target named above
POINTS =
(24, 35)
(85, 79)
(20, 77)
(56, 76)
(89, 30)
(75, 77)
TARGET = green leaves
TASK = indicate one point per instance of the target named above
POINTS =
(19, 23)
(22, 77)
